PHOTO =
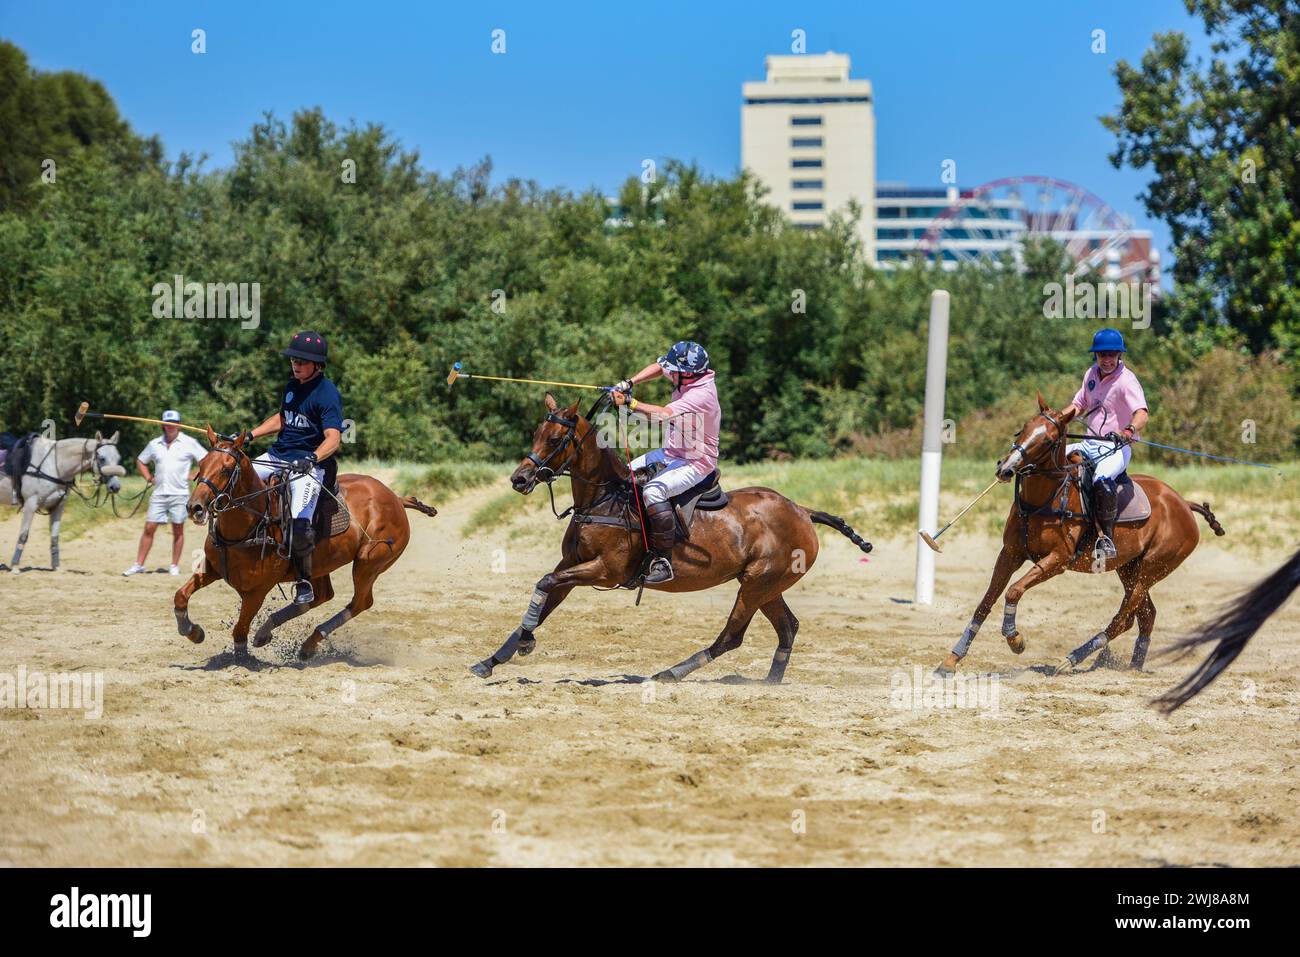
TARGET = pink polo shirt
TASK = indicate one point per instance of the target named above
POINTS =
(1110, 403)
(692, 432)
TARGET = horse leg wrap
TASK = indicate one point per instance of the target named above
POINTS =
(1009, 621)
(1093, 644)
(1140, 652)
(533, 617)
(521, 640)
(779, 660)
(693, 663)
(338, 621)
(511, 645)
(277, 619)
(963, 643)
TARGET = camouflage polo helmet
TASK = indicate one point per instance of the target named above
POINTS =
(685, 357)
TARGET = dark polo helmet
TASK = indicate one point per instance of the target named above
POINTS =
(308, 345)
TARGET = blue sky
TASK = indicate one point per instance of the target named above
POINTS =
(586, 91)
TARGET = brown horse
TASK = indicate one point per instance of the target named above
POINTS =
(761, 539)
(1047, 526)
(231, 495)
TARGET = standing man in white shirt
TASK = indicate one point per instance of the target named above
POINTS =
(174, 457)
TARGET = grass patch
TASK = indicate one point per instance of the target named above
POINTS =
(445, 479)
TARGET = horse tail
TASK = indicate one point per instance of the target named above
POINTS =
(1230, 632)
(841, 526)
(412, 502)
(1204, 509)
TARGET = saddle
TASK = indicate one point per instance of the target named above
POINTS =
(1134, 506)
(706, 496)
(331, 517)
(16, 456)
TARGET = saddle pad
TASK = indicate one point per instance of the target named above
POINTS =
(340, 517)
(1134, 506)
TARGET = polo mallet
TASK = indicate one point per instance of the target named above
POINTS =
(933, 542)
(457, 374)
(83, 414)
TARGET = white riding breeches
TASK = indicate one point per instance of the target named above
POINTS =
(677, 477)
(304, 492)
(1107, 461)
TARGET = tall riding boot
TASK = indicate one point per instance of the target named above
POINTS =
(304, 541)
(1105, 500)
(663, 530)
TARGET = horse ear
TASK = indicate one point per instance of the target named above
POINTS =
(1068, 414)
(551, 404)
(98, 436)
(113, 440)
(212, 436)
(1042, 406)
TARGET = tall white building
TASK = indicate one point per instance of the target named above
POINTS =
(808, 133)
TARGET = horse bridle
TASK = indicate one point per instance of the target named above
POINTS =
(215, 506)
(37, 469)
(1024, 454)
(544, 465)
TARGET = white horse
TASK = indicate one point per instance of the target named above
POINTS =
(50, 476)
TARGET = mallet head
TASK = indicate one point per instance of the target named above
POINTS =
(930, 541)
(451, 376)
(81, 412)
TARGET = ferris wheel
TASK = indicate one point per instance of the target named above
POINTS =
(1004, 214)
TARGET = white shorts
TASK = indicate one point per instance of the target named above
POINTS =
(1106, 459)
(164, 508)
(679, 476)
(304, 492)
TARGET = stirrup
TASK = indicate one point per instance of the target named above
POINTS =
(660, 571)
(1104, 547)
(303, 593)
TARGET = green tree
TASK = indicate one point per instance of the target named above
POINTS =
(1223, 142)
(52, 116)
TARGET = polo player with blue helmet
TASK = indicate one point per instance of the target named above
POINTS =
(690, 451)
(310, 427)
(1116, 409)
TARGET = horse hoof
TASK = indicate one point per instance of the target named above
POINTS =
(666, 676)
(948, 666)
(482, 669)
(261, 640)
(526, 647)
(1016, 643)
(196, 635)
(1065, 665)
(307, 651)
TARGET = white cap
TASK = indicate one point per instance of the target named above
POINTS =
(171, 415)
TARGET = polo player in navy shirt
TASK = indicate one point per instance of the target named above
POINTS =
(310, 426)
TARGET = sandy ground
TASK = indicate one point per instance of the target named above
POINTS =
(385, 750)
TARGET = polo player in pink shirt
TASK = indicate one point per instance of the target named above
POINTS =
(1115, 407)
(690, 452)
